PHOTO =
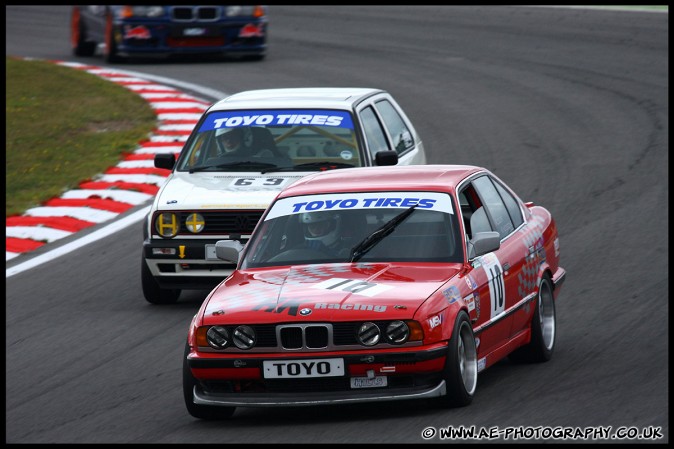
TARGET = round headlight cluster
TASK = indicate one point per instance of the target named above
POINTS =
(244, 337)
(195, 223)
(368, 334)
(396, 333)
(219, 337)
(167, 224)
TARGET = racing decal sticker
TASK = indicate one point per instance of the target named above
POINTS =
(435, 321)
(233, 119)
(470, 302)
(481, 364)
(470, 282)
(476, 301)
(435, 201)
(353, 286)
(137, 32)
(492, 266)
(346, 155)
(290, 307)
(259, 183)
(452, 294)
(527, 279)
(348, 306)
(251, 30)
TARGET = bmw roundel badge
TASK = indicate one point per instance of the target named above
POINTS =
(305, 312)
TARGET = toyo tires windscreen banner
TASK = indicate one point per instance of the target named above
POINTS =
(292, 117)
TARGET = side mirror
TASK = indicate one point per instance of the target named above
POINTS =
(386, 158)
(483, 243)
(165, 160)
(228, 250)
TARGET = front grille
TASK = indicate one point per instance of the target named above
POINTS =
(195, 13)
(221, 222)
(291, 338)
(305, 337)
(316, 336)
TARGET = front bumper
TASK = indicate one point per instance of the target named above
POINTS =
(238, 381)
(292, 399)
(188, 38)
(191, 266)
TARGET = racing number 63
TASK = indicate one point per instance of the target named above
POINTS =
(262, 182)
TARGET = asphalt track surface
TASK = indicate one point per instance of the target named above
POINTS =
(568, 106)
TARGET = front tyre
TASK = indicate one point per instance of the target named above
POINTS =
(111, 52)
(460, 371)
(151, 290)
(78, 36)
(543, 327)
(207, 412)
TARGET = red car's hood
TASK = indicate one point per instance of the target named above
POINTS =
(335, 292)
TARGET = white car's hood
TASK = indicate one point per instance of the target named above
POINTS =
(241, 190)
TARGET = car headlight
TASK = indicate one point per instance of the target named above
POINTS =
(244, 337)
(167, 224)
(129, 11)
(195, 223)
(218, 337)
(368, 334)
(245, 10)
(397, 332)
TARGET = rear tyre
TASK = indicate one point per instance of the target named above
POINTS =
(78, 36)
(460, 371)
(151, 290)
(207, 412)
(543, 327)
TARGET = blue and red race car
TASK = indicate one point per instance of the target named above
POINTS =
(125, 31)
(376, 284)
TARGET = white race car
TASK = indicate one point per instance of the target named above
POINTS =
(242, 152)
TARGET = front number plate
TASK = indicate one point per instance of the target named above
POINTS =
(294, 369)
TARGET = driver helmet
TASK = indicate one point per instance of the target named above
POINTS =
(236, 139)
(321, 227)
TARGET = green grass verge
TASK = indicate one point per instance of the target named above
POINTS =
(64, 126)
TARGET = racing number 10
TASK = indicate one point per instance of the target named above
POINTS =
(496, 286)
(492, 268)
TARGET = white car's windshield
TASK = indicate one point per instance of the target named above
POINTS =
(357, 227)
(267, 140)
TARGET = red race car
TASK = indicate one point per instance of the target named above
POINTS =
(376, 284)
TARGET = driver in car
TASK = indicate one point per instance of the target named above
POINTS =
(322, 232)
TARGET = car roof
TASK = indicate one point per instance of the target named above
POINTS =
(443, 178)
(302, 97)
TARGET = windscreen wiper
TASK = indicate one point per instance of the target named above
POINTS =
(322, 165)
(377, 236)
(266, 165)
